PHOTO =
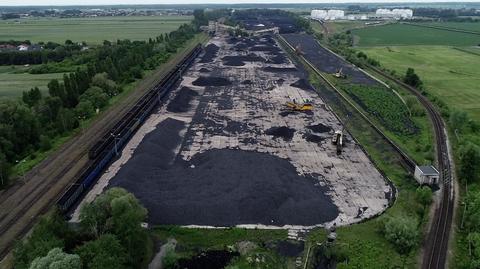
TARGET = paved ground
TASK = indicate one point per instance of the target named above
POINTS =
(225, 151)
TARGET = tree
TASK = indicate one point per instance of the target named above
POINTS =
(458, 119)
(96, 96)
(4, 170)
(412, 79)
(32, 97)
(472, 213)
(469, 160)
(109, 86)
(57, 259)
(423, 195)
(51, 232)
(117, 212)
(402, 232)
(84, 109)
(106, 252)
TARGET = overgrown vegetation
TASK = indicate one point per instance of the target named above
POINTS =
(384, 105)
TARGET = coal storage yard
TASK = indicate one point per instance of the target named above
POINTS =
(224, 149)
(325, 60)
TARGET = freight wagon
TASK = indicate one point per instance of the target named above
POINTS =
(108, 147)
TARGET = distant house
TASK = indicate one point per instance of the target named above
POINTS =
(426, 175)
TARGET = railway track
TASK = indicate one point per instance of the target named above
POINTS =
(436, 243)
(23, 203)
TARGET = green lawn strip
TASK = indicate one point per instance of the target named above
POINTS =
(402, 35)
(80, 29)
(12, 85)
(36, 157)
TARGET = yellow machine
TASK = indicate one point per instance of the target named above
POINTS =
(340, 74)
(299, 107)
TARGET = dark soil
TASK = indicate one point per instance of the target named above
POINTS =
(289, 249)
(302, 84)
(319, 128)
(210, 53)
(212, 259)
(283, 132)
(211, 81)
(181, 102)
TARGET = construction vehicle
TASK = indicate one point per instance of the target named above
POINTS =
(340, 74)
(337, 140)
(298, 50)
(307, 106)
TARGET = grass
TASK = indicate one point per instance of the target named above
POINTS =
(450, 74)
(13, 82)
(90, 30)
(403, 35)
(469, 26)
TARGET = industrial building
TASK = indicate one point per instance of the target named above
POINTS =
(394, 13)
(332, 14)
(426, 175)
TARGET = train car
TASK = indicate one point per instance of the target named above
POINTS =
(105, 150)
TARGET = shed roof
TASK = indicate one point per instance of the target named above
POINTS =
(428, 170)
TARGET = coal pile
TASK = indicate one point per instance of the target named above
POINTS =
(224, 187)
(247, 82)
(326, 61)
(283, 132)
(319, 128)
(265, 48)
(211, 81)
(240, 60)
(274, 69)
(204, 70)
(210, 53)
(302, 84)
(313, 138)
(181, 102)
(278, 59)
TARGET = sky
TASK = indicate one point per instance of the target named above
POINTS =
(129, 2)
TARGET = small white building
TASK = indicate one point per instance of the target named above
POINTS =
(395, 13)
(426, 175)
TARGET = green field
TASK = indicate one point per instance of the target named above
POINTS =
(406, 35)
(448, 73)
(469, 26)
(90, 30)
(13, 82)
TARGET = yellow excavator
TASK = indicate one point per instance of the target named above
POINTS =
(306, 106)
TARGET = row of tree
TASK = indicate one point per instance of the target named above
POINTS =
(110, 236)
(32, 123)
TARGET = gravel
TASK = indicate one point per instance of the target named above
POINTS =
(240, 60)
(279, 69)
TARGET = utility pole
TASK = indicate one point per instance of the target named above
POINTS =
(21, 169)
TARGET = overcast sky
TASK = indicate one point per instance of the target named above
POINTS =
(129, 2)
